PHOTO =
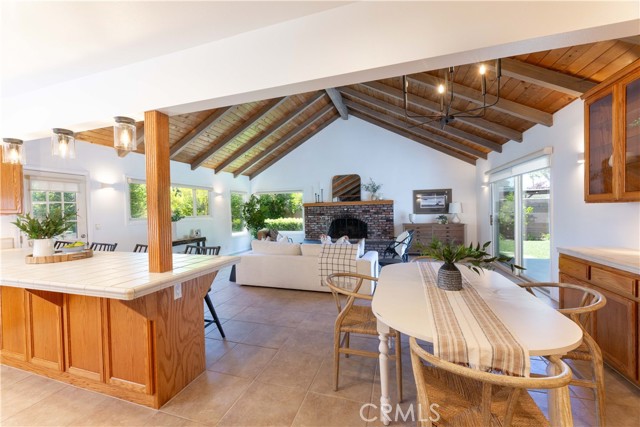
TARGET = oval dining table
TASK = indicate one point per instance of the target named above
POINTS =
(400, 303)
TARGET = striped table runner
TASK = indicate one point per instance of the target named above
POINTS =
(467, 331)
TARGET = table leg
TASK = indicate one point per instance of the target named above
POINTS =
(559, 402)
(383, 348)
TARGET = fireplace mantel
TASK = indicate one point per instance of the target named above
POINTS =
(364, 202)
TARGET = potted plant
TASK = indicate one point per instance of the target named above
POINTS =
(42, 231)
(475, 258)
(175, 217)
(442, 219)
(372, 188)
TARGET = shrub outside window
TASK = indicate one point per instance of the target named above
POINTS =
(189, 201)
(237, 222)
(282, 211)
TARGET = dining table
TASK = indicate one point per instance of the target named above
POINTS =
(400, 303)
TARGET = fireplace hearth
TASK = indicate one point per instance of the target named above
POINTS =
(349, 226)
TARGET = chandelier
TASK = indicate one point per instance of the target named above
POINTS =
(446, 93)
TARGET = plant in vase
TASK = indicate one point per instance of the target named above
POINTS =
(373, 188)
(42, 231)
(442, 219)
(475, 258)
(175, 217)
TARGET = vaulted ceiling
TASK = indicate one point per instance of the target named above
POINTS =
(246, 139)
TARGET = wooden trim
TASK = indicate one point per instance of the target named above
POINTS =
(336, 98)
(504, 105)
(268, 132)
(546, 78)
(612, 79)
(469, 137)
(198, 130)
(158, 192)
(258, 115)
(359, 203)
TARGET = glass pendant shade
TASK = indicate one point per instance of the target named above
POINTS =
(12, 151)
(124, 134)
(63, 144)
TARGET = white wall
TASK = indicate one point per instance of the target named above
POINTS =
(574, 222)
(107, 206)
(400, 165)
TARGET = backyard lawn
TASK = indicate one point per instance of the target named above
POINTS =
(532, 248)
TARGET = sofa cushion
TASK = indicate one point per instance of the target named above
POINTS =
(310, 249)
(275, 248)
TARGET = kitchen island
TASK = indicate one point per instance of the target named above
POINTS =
(106, 323)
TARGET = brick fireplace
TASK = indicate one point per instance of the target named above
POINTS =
(378, 216)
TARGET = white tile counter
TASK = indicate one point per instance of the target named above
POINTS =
(117, 275)
(621, 258)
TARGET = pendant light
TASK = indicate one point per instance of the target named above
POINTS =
(63, 144)
(124, 134)
(12, 151)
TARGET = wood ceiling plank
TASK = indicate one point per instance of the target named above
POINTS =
(294, 146)
(198, 130)
(286, 138)
(622, 61)
(546, 78)
(285, 120)
(503, 105)
(408, 135)
(336, 98)
(274, 103)
(415, 130)
(473, 139)
(494, 128)
(592, 54)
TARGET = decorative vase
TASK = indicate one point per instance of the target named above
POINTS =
(449, 277)
(43, 247)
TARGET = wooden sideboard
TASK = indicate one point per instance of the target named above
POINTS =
(425, 232)
(614, 327)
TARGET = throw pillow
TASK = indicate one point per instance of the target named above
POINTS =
(325, 240)
(344, 240)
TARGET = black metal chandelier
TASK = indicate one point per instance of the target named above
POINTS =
(446, 94)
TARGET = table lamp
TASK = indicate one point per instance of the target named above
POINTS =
(455, 208)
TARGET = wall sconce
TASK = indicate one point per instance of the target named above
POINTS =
(485, 185)
(455, 208)
(12, 151)
(124, 134)
(63, 144)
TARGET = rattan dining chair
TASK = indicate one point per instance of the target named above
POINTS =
(588, 302)
(356, 319)
(141, 248)
(470, 397)
(104, 247)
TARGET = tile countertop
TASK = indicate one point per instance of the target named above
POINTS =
(621, 258)
(117, 275)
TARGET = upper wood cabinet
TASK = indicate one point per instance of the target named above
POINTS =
(612, 138)
(10, 188)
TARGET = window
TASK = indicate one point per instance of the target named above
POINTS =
(188, 201)
(282, 211)
(237, 223)
(520, 213)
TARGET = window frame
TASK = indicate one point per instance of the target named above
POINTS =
(245, 197)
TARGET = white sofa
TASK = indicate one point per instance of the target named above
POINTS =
(292, 266)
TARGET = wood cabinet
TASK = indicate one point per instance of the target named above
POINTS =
(425, 232)
(615, 327)
(10, 188)
(612, 138)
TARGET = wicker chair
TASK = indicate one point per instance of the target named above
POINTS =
(105, 247)
(356, 319)
(469, 397)
(589, 301)
(141, 248)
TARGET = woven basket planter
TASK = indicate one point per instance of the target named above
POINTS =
(449, 278)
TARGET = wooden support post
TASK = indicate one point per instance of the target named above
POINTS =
(158, 191)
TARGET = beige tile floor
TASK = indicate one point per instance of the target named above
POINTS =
(273, 369)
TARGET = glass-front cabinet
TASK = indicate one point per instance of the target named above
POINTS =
(612, 138)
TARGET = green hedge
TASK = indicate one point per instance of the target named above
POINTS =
(284, 224)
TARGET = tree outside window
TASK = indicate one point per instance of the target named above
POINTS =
(187, 201)
(237, 222)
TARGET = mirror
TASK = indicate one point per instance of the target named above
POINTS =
(345, 188)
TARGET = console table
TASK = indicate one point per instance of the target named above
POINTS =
(199, 241)
(425, 232)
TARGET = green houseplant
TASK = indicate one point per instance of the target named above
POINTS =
(42, 231)
(475, 258)
(372, 188)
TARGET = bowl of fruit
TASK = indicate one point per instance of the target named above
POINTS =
(73, 247)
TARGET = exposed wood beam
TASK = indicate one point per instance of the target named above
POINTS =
(270, 131)
(286, 138)
(486, 125)
(435, 139)
(336, 98)
(408, 135)
(503, 105)
(158, 192)
(544, 77)
(263, 111)
(139, 140)
(494, 146)
(293, 147)
(198, 130)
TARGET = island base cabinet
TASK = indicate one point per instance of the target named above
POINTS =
(145, 350)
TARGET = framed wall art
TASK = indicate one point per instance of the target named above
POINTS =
(431, 201)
